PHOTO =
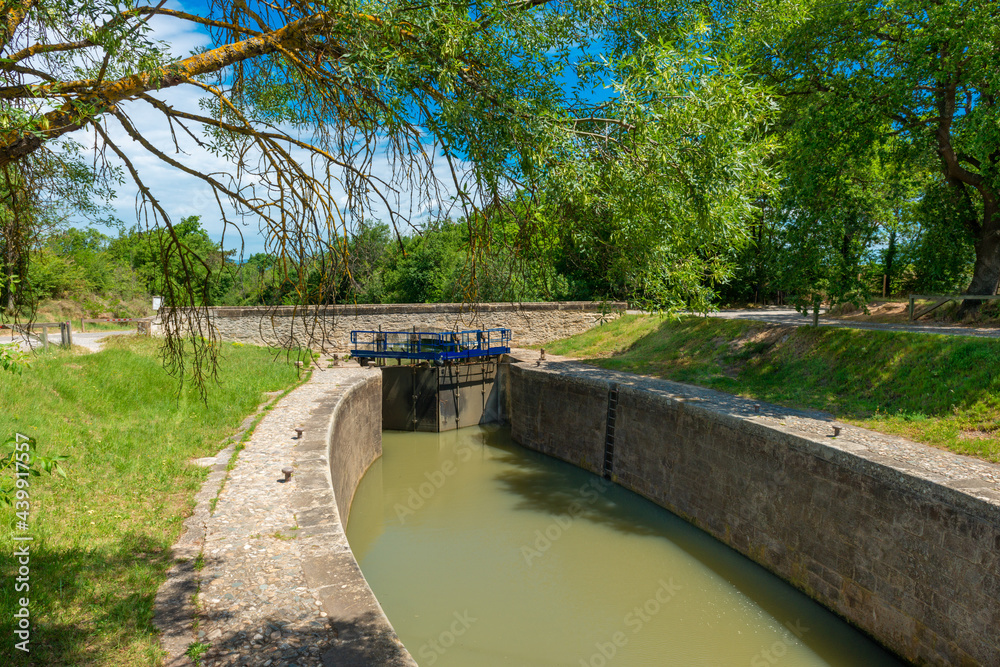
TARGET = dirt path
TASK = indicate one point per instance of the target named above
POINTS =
(93, 340)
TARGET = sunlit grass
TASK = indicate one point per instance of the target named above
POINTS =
(940, 390)
(102, 536)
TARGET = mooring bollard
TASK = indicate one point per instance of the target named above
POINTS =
(298, 433)
(288, 474)
(836, 431)
(756, 407)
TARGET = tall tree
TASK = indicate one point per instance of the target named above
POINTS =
(926, 73)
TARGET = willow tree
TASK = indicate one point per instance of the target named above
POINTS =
(657, 204)
(462, 100)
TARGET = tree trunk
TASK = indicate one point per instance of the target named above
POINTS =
(8, 266)
(986, 272)
(890, 256)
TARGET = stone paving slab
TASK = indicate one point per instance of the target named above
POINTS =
(267, 592)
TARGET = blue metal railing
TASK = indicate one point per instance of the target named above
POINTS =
(430, 345)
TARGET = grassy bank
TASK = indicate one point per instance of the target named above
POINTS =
(89, 306)
(102, 536)
(939, 390)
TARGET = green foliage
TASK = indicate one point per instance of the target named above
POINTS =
(647, 210)
(13, 359)
(434, 264)
(79, 264)
(54, 275)
(37, 195)
(23, 461)
(427, 267)
(877, 97)
(596, 149)
(184, 262)
(941, 251)
(196, 651)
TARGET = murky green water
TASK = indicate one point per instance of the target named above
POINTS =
(483, 553)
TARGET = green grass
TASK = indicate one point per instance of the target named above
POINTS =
(102, 536)
(939, 390)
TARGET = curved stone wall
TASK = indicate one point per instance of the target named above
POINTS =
(907, 551)
(339, 443)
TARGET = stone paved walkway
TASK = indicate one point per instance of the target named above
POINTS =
(255, 605)
(967, 474)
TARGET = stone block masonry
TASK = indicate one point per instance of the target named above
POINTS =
(343, 437)
(328, 328)
(279, 584)
(901, 540)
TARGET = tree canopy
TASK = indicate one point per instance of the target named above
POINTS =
(908, 83)
(660, 151)
(468, 103)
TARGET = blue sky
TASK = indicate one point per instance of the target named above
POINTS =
(180, 194)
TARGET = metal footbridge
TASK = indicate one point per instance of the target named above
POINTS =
(431, 346)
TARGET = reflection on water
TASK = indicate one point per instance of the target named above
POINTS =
(484, 553)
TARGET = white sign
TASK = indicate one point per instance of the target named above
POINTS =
(157, 300)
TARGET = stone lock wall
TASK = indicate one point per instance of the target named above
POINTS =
(895, 551)
(340, 442)
(328, 328)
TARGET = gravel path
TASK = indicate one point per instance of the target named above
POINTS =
(794, 318)
(92, 340)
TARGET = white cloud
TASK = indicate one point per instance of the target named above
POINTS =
(182, 194)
